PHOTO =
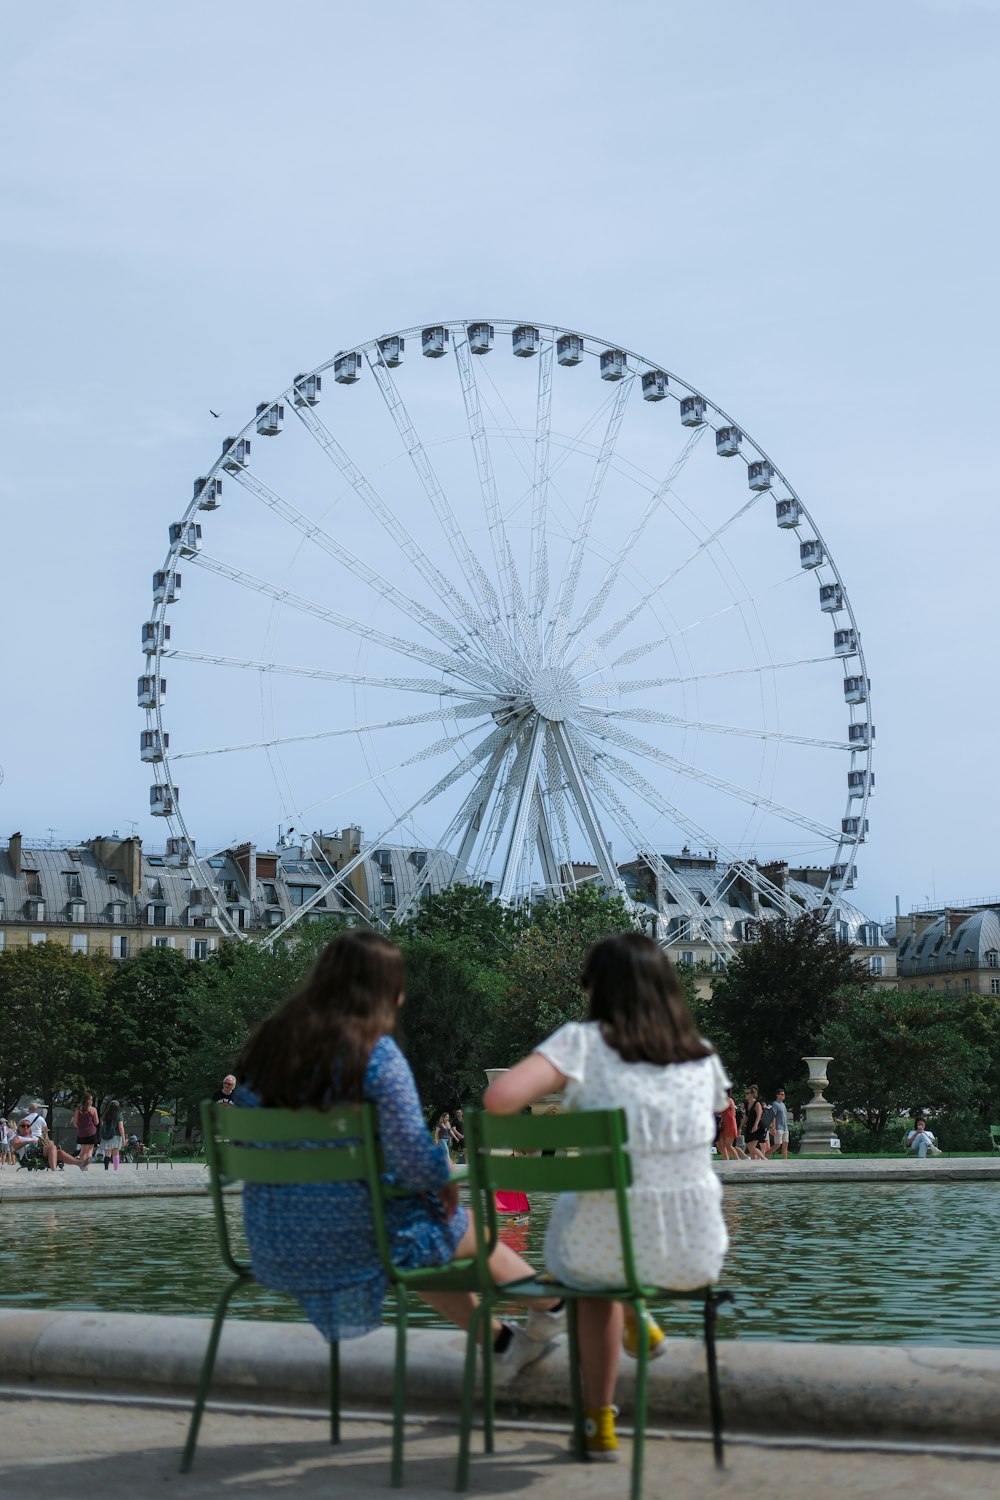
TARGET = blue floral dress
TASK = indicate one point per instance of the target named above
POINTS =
(316, 1240)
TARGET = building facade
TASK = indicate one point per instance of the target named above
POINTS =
(953, 948)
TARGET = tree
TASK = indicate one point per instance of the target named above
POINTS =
(150, 1028)
(780, 990)
(454, 1007)
(51, 1001)
(901, 1050)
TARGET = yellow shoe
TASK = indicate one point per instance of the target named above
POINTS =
(600, 1440)
(630, 1338)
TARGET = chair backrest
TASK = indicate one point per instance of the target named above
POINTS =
(599, 1163)
(283, 1147)
(160, 1137)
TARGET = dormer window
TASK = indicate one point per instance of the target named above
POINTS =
(73, 888)
(992, 958)
(34, 881)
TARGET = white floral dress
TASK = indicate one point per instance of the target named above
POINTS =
(678, 1233)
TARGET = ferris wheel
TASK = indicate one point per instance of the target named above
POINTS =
(524, 600)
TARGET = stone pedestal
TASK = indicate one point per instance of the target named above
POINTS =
(542, 1106)
(820, 1129)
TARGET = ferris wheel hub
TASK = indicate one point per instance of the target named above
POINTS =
(554, 693)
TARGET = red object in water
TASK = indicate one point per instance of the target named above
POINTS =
(512, 1203)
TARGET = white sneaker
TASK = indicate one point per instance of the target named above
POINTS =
(521, 1351)
(935, 1150)
(544, 1325)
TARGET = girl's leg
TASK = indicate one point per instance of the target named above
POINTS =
(86, 1152)
(115, 1160)
(505, 1265)
(600, 1345)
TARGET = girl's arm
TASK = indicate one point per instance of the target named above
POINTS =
(523, 1084)
(411, 1155)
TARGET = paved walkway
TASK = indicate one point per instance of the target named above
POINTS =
(185, 1180)
(52, 1450)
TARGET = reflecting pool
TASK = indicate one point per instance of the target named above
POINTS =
(835, 1263)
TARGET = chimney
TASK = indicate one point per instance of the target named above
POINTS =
(124, 855)
(14, 850)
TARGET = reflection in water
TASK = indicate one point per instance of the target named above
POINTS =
(872, 1263)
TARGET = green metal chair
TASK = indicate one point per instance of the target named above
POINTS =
(159, 1149)
(995, 1137)
(599, 1163)
(279, 1146)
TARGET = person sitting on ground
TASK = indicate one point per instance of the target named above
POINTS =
(921, 1140)
(331, 1041)
(638, 1050)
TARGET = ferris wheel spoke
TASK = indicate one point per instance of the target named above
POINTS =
(631, 742)
(566, 747)
(435, 623)
(465, 669)
(488, 619)
(524, 806)
(538, 577)
(391, 524)
(362, 679)
(637, 652)
(571, 577)
(510, 786)
(432, 716)
(554, 783)
(641, 684)
(654, 716)
(631, 542)
(515, 609)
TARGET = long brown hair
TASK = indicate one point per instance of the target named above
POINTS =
(315, 1047)
(636, 996)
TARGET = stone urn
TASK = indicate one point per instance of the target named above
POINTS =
(820, 1135)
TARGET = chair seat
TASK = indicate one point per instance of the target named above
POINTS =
(543, 1286)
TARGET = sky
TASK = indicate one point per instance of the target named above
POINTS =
(790, 206)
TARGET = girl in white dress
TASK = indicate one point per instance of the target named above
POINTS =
(638, 1050)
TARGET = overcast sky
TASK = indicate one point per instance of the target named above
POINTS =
(791, 205)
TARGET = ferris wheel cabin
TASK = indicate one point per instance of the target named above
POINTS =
(810, 553)
(152, 744)
(845, 643)
(235, 454)
(760, 474)
(525, 340)
(186, 537)
(787, 513)
(693, 409)
(569, 349)
(831, 599)
(856, 689)
(860, 736)
(162, 800)
(854, 828)
(270, 419)
(614, 364)
(347, 368)
(434, 342)
(480, 337)
(166, 586)
(208, 493)
(390, 351)
(728, 441)
(860, 782)
(307, 389)
(154, 636)
(151, 691)
(654, 385)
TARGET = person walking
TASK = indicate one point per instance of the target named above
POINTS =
(728, 1131)
(752, 1133)
(779, 1130)
(111, 1137)
(86, 1123)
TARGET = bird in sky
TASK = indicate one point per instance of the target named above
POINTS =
(213, 413)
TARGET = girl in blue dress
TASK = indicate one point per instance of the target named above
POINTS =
(331, 1041)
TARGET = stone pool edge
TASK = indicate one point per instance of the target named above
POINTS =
(885, 1392)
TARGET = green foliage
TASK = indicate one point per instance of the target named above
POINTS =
(898, 1050)
(454, 1008)
(769, 1008)
(50, 1000)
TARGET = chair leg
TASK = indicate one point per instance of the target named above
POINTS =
(205, 1378)
(714, 1398)
(399, 1389)
(334, 1391)
(641, 1400)
(468, 1396)
(575, 1379)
